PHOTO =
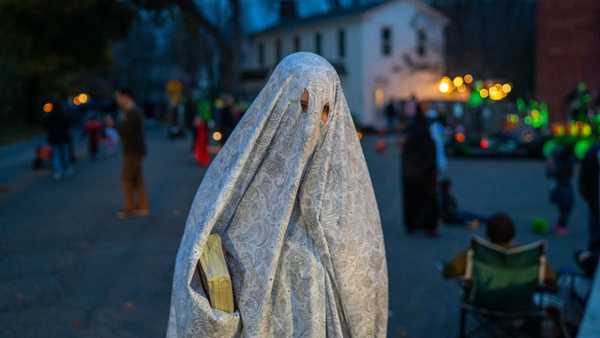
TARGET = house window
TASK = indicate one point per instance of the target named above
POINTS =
(296, 43)
(386, 41)
(261, 54)
(421, 42)
(277, 50)
(379, 98)
(318, 43)
(341, 43)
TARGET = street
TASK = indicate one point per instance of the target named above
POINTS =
(69, 268)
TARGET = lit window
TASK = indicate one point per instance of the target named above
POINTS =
(379, 98)
(341, 43)
(318, 43)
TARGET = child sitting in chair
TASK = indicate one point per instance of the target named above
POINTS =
(500, 231)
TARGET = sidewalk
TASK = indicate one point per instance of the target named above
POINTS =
(15, 153)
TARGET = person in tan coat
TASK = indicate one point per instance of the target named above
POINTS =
(131, 132)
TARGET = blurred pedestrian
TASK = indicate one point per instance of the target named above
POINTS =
(177, 121)
(419, 177)
(391, 114)
(559, 168)
(93, 129)
(292, 200)
(438, 134)
(410, 107)
(201, 142)
(111, 135)
(57, 127)
(450, 213)
(131, 131)
(588, 187)
(227, 117)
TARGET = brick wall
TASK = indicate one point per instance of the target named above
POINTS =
(567, 51)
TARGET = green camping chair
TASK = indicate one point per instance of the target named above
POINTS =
(499, 287)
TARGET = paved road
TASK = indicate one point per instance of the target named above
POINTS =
(68, 268)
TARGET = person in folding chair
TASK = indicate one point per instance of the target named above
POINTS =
(501, 281)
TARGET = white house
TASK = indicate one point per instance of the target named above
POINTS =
(383, 51)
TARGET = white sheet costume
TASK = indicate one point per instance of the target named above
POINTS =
(293, 202)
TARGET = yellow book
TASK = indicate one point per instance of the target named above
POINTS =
(215, 275)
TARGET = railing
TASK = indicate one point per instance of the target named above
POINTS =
(590, 327)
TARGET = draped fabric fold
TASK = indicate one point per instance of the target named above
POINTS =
(292, 199)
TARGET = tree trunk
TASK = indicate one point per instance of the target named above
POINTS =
(31, 101)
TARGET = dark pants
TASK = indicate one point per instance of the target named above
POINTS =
(420, 204)
(133, 182)
(60, 158)
(562, 196)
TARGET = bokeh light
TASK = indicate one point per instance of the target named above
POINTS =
(458, 81)
(459, 137)
(47, 107)
(83, 98)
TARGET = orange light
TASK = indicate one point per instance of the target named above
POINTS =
(558, 129)
(360, 135)
(483, 93)
(217, 136)
(496, 92)
(468, 78)
(83, 98)
(444, 87)
(458, 81)
(459, 137)
(76, 100)
(48, 107)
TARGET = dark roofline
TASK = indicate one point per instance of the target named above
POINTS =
(301, 21)
(339, 14)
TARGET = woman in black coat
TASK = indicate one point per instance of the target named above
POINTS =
(419, 178)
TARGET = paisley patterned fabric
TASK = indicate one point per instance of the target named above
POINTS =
(292, 199)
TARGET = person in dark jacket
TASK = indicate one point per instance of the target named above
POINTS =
(419, 178)
(57, 127)
(588, 188)
(560, 169)
(131, 132)
(227, 117)
(93, 128)
(390, 114)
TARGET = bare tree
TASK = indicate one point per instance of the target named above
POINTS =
(225, 35)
